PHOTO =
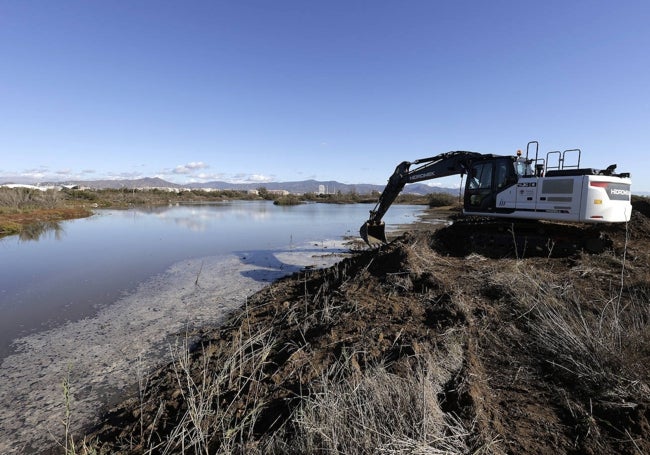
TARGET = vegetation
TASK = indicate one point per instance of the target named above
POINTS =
(289, 199)
(14, 200)
(28, 212)
(121, 198)
(353, 197)
(22, 207)
(442, 200)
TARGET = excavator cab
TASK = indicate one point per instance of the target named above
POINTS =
(486, 178)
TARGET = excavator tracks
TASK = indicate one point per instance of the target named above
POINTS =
(516, 238)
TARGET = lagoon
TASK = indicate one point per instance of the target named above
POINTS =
(77, 267)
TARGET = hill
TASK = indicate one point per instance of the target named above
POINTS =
(299, 187)
(314, 186)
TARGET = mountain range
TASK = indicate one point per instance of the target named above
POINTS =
(300, 187)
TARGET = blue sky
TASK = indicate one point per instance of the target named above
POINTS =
(334, 90)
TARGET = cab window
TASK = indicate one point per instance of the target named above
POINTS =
(481, 177)
(502, 173)
(523, 167)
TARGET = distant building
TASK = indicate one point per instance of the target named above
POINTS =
(279, 192)
(321, 189)
(32, 187)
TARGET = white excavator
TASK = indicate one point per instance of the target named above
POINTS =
(516, 188)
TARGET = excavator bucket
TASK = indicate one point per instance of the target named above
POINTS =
(373, 233)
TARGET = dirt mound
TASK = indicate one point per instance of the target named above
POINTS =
(410, 349)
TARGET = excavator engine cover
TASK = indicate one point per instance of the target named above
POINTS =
(373, 232)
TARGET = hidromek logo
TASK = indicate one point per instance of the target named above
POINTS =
(425, 175)
(619, 191)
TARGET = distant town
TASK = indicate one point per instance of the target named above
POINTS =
(274, 188)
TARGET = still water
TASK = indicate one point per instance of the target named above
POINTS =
(71, 270)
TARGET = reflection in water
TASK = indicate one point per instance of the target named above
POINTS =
(199, 218)
(36, 230)
(88, 263)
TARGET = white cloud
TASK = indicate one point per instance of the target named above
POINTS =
(43, 174)
(205, 176)
(33, 174)
(189, 168)
(259, 178)
(250, 178)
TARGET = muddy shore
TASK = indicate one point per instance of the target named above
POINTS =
(104, 357)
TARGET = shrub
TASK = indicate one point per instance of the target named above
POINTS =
(441, 199)
(290, 199)
(84, 195)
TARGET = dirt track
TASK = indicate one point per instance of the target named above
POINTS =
(539, 355)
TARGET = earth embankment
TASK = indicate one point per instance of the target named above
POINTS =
(410, 349)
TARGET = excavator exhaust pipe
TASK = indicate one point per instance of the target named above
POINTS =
(373, 233)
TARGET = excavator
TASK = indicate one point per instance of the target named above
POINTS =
(515, 189)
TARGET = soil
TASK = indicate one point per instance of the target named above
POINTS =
(555, 347)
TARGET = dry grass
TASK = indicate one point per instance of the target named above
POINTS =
(604, 349)
(17, 199)
(380, 413)
(68, 445)
(352, 412)
(210, 425)
(595, 338)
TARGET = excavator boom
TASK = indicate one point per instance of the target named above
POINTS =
(443, 165)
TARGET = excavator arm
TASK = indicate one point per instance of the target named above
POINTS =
(443, 165)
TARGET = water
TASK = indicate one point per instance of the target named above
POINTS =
(69, 271)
